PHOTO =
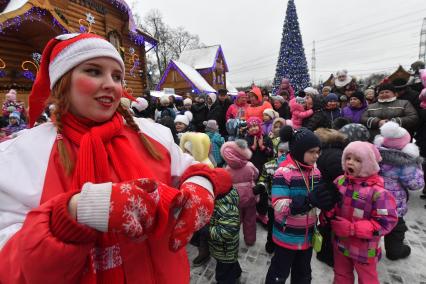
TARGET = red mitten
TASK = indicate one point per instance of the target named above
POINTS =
(342, 227)
(364, 229)
(219, 177)
(133, 207)
(194, 207)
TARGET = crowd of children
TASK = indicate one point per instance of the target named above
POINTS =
(306, 167)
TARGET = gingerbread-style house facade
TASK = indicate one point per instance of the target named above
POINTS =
(27, 25)
(201, 70)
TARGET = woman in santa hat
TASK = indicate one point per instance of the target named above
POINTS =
(94, 201)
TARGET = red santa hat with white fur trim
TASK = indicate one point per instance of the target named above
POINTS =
(60, 56)
(393, 136)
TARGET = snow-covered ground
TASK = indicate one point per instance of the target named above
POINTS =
(255, 261)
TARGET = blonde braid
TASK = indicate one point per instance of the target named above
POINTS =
(61, 104)
(132, 124)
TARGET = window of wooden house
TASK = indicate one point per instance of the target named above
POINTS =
(114, 39)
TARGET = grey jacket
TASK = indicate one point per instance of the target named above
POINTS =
(400, 111)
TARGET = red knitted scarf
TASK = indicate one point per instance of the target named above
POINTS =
(102, 149)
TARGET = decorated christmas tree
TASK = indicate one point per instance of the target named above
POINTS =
(291, 60)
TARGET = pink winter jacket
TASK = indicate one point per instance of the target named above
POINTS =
(243, 172)
(298, 113)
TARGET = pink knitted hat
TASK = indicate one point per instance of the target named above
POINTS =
(367, 153)
(235, 152)
(393, 136)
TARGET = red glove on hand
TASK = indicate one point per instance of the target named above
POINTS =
(133, 207)
(196, 206)
(342, 227)
(364, 229)
(219, 177)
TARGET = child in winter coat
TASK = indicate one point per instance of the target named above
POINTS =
(332, 109)
(366, 212)
(15, 124)
(268, 117)
(275, 132)
(296, 192)
(261, 146)
(298, 111)
(244, 175)
(401, 169)
(216, 140)
(224, 237)
(182, 122)
(264, 186)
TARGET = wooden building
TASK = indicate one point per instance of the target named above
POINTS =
(201, 70)
(27, 25)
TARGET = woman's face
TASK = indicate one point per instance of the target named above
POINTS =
(253, 99)
(309, 102)
(242, 100)
(386, 94)
(355, 102)
(277, 104)
(369, 95)
(325, 91)
(96, 89)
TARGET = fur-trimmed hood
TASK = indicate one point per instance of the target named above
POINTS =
(236, 153)
(397, 157)
(331, 137)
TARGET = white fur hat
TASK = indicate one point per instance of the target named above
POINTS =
(311, 91)
(189, 115)
(140, 104)
(271, 113)
(182, 118)
(187, 102)
(213, 97)
(164, 99)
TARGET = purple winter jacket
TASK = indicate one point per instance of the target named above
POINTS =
(243, 172)
(354, 113)
(401, 172)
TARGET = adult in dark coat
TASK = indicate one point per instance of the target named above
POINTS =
(318, 118)
(388, 107)
(280, 105)
(404, 92)
(224, 102)
(330, 165)
(199, 111)
(215, 109)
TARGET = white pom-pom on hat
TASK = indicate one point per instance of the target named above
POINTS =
(392, 129)
(140, 104)
(189, 115)
(395, 137)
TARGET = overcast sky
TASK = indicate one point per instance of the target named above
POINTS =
(363, 36)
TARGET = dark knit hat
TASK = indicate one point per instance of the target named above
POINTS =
(359, 95)
(332, 97)
(386, 86)
(355, 132)
(300, 141)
